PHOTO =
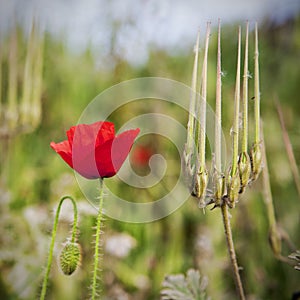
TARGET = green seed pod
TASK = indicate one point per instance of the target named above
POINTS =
(70, 258)
(256, 160)
(200, 185)
(244, 165)
(233, 188)
(220, 189)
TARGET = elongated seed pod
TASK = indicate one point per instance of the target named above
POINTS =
(70, 258)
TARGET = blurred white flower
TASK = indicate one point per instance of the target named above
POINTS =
(120, 244)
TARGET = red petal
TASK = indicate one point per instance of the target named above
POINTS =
(90, 134)
(111, 156)
(64, 150)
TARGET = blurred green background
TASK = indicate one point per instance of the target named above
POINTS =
(33, 178)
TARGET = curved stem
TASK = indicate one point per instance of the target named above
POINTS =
(97, 241)
(54, 230)
(231, 251)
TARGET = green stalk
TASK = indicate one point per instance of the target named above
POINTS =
(27, 79)
(37, 79)
(256, 90)
(97, 242)
(12, 113)
(54, 231)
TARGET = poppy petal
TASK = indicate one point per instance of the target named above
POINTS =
(111, 156)
(64, 150)
(95, 133)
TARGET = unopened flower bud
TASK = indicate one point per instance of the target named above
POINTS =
(233, 188)
(244, 165)
(256, 161)
(70, 257)
(199, 188)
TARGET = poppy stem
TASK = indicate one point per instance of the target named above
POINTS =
(54, 230)
(97, 241)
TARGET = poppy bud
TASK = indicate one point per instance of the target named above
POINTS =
(244, 165)
(199, 188)
(256, 161)
(70, 257)
(233, 188)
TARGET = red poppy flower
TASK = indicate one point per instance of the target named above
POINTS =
(94, 150)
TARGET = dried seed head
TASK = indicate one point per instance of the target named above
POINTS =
(233, 188)
(70, 258)
(220, 189)
(256, 160)
(199, 187)
(244, 165)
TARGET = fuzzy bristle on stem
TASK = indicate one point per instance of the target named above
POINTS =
(97, 242)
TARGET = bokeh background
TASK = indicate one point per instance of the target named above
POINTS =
(91, 46)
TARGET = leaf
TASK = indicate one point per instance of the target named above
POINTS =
(179, 287)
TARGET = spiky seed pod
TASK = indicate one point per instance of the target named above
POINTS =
(244, 165)
(199, 187)
(233, 188)
(256, 160)
(220, 189)
(70, 258)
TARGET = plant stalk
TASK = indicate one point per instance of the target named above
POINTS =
(231, 251)
(54, 231)
(97, 241)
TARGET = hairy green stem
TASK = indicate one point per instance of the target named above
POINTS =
(97, 242)
(54, 231)
(231, 251)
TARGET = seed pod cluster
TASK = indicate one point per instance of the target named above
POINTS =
(246, 164)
